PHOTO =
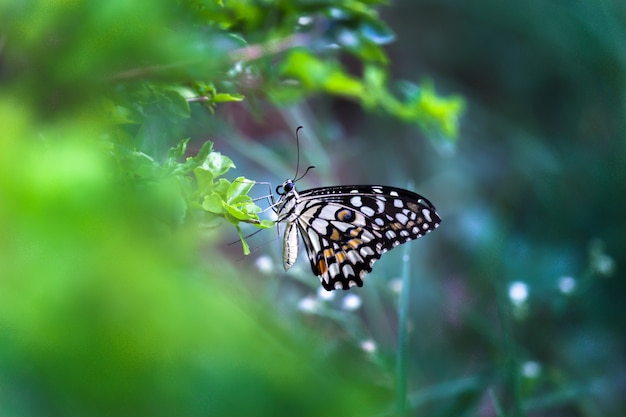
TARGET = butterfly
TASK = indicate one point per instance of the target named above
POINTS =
(345, 229)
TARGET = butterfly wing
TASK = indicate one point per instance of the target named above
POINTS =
(346, 229)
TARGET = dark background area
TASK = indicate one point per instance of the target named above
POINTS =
(531, 194)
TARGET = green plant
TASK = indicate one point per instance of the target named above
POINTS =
(104, 195)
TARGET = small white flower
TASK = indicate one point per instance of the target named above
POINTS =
(395, 285)
(368, 346)
(351, 302)
(305, 20)
(567, 285)
(518, 292)
(308, 305)
(325, 295)
(265, 264)
(531, 369)
(605, 265)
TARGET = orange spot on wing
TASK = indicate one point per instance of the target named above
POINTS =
(354, 232)
(396, 226)
(322, 266)
(355, 243)
(335, 235)
(340, 257)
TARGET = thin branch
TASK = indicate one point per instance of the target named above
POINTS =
(248, 53)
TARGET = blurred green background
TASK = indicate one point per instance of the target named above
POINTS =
(117, 298)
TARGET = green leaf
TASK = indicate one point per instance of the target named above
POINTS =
(245, 203)
(244, 244)
(266, 224)
(436, 113)
(343, 84)
(178, 151)
(369, 51)
(213, 203)
(239, 214)
(218, 164)
(316, 74)
(239, 186)
(204, 178)
(199, 159)
(221, 187)
(176, 104)
(305, 67)
(118, 114)
(225, 97)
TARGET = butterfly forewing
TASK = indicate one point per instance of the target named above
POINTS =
(346, 229)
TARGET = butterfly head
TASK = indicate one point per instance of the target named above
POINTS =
(289, 185)
(285, 188)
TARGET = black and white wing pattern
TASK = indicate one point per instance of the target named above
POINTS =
(346, 229)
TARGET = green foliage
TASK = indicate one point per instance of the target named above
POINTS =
(139, 69)
(152, 61)
(200, 188)
(436, 115)
(104, 311)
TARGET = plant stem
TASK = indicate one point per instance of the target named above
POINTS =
(401, 355)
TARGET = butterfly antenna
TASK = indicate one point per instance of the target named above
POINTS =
(298, 151)
(295, 177)
(305, 172)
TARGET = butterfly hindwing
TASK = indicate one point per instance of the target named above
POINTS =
(337, 240)
(347, 228)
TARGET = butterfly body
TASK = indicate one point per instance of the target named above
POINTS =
(345, 229)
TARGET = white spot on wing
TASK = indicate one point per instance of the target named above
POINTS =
(328, 212)
(353, 256)
(366, 251)
(319, 225)
(315, 239)
(402, 218)
(398, 203)
(426, 214)
(366, 236)
(347, 270)
(368, 211)
(356, 201)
